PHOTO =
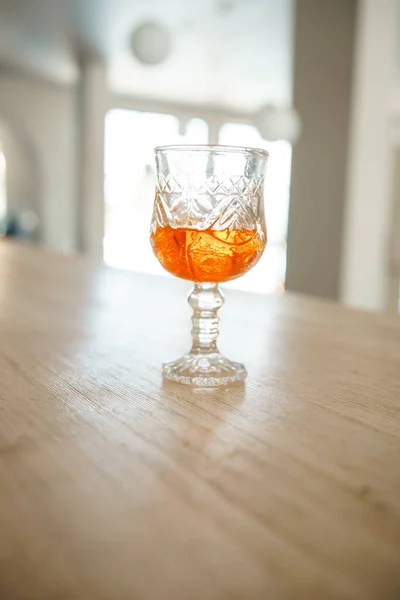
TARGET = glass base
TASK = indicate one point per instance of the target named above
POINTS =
(204, 370)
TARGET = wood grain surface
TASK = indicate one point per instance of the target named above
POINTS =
(117, 485)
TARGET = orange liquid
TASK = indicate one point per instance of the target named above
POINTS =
(207, 256)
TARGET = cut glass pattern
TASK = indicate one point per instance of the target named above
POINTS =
(219, 202)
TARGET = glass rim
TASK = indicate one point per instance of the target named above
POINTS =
(259, 152)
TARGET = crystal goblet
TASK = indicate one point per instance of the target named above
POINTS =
(208, 226)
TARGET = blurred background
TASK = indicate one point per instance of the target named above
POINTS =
(89, 87)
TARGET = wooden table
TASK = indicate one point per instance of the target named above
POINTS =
(116, 485)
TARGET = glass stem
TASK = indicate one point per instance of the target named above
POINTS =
(205, 299)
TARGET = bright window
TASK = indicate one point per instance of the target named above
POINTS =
(130, 181)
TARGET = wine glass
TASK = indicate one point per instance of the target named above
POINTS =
(208, 226)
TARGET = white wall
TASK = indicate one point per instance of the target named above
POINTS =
(44, 117)
(365, 264)
(324, 41)
(23, 189)
(93, 99)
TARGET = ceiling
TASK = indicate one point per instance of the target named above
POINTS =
(232, 53)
